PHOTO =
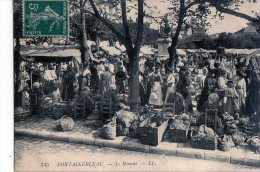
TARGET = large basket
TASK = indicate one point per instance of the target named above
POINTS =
(20, 116)
(208, 144)
(178, 135)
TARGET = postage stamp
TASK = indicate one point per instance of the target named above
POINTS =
(45, 18)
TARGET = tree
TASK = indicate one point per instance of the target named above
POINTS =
(132, 44)
(201, 9)
(79, 28)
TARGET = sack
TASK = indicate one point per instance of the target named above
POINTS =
(225, 143)
(238, 138)
(125, 118)
(254, 144)
(65, 123)
(121, 130)
(205, 132)
(108, 131)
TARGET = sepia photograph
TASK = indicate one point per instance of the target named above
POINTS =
(136, 85)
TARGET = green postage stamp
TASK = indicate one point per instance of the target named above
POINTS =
(45, 18)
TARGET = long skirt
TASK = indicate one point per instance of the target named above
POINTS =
(156, 95)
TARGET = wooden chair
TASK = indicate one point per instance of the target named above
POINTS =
(39, 109)
(34, 103)
(211, 118)
(168, 108)
(106, 108)
(178, 103)
(79, 108)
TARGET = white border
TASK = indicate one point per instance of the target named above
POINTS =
(6, 86)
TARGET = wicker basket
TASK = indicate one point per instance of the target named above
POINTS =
(178, 135)
(208, 144)
(20, 116)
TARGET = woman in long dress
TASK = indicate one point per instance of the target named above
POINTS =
(156, 91)
(170, 84)
(241, 90)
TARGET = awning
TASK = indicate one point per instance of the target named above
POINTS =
(111, 50)
(181, 52)
(147, 50)
(51, 51)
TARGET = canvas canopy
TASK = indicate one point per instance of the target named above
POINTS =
(48, 53)
(181, 52)
(147, 50)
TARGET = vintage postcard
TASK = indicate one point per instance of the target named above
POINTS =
(136, 85)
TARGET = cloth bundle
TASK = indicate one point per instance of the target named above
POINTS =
(65, 123)
(225, 143)
(123, 122)
(108, 131)
(125, 117)
(239, 138)
(179, 124)
(205, 132)
(254, 143)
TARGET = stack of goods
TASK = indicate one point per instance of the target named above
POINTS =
(179, 128)
(204, 138)
(225, 143)
(230, 124)
(65, 124)
(123, 122)
(108, 131)
(254, 144)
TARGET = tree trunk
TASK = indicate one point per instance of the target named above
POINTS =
(172, 49)
(84, 46)
(133, 82)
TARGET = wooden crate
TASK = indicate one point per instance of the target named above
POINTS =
(178, 135)
(152, 135)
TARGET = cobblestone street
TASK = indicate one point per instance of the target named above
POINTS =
(33, 154)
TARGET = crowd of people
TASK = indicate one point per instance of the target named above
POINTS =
(225, 82)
